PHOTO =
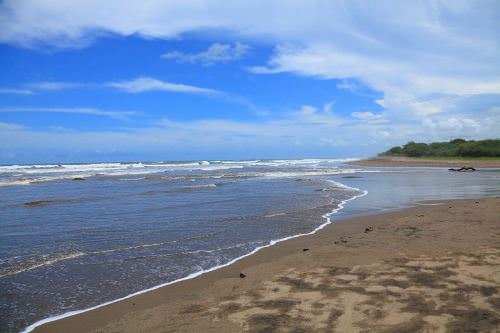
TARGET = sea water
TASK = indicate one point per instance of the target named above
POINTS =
(74, 236)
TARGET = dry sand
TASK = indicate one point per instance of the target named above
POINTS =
(395, 161)
(430, 268)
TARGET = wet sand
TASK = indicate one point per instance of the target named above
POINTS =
(394, 161)
(430, 268)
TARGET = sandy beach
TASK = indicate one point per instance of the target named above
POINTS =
(248, 166)
(395, 161)
(434, 267)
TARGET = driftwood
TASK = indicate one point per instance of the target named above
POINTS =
(462, 169)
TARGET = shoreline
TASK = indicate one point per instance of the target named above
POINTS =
(33, 327)
(399, 161)
(259, 266)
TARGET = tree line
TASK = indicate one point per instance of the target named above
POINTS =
(453, 148)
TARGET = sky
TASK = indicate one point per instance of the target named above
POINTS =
(89, 81)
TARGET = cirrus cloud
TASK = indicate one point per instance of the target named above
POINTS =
(121, 115)
(143, 84)
(16, 91)
(217, 52)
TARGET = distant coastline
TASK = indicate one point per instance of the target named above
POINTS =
(395, 161)
(455, 153)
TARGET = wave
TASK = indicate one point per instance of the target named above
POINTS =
(88, 167)
(52, 259)
(39, 173)
(16, 182)
(268, 174)
(194, 187)
(42, 179)
(305, 162)
(72, 254)
(97, 167)
(57, 168)
(340, 185)
(217, 249)
(265, 174)
(188, 253)
(274, 214)
(132, 179)
(328, 221)
(21, 179)
(318, 172)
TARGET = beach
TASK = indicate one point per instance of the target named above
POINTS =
(255, 167)
(432, 267)
(127, 230)
(401, 161)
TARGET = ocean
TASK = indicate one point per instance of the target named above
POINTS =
(75, 236)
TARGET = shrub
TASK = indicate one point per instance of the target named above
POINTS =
(396, 151)
(456, 147)
(415, 149)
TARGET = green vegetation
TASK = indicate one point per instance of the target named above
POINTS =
(454, 148)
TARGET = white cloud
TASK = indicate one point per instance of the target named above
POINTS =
(366, 115)
(410, 52)
(122, 115)
(308, 130)
(10, 127)
(311, 115)
(404, 82)
(307, 110)
(346, 85)
(333, 142)
(453, 125)
(137, 85)
(53, 85)
(327, 108)
(217, 52)
(16, 91)
(143, 84)
(380, 102)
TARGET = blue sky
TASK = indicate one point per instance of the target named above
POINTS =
(199, 80)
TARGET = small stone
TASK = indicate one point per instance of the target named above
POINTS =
(242, 275)
(305, 250)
